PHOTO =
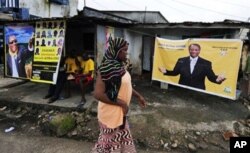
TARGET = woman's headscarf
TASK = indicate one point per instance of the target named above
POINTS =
(112, 69)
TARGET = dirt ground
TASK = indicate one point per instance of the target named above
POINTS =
(175, 120)
(27, 138)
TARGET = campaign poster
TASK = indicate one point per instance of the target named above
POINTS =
(49, 43)
(19, 49)
(206, 65)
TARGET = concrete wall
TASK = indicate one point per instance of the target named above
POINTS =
(147, 52)
(135, 46)
(47, 10)
(101, 40)
(100, 43)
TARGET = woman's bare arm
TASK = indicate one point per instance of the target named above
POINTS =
(99, 94)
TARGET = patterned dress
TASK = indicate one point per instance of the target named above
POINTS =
(113, 137)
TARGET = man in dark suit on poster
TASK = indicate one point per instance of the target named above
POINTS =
(193, 70)
(17, 57)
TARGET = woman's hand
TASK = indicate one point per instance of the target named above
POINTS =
(123, 105)
(142, 101)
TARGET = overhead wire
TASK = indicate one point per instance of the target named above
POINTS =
(233, 4)
(202, 8)
(178, 10)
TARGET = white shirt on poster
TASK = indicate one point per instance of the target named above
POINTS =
(14, 68)
(193, 61)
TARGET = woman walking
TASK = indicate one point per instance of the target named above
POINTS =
(114, 90)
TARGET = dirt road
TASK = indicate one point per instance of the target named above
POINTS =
(15, 142)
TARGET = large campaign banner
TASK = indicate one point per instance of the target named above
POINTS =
(205, 65)
(49, 43)
(19, 49)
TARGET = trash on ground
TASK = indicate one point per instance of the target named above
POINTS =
(3, 108)
(9, 129)
(228, 134)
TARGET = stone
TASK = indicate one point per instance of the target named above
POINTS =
(191, 147)
(198, 133)
(51, 112)
(162, 142)
(74, 133)
(202, 145)
(241, 129)
(18, 110)
(166, 146)
(32, 128)
(174, 145)
(3, 108)
(228, 134)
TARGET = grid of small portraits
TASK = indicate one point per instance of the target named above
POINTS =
(49, 34)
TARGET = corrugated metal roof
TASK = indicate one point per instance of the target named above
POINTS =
(141, 16)
(198, 25)
(106, 17)
(100, 15)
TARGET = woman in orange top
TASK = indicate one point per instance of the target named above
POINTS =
(114, 90)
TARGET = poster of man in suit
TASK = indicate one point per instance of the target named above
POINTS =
(199, 64)
(19, 50)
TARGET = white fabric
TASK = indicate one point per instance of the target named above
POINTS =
(14, 68)
(31, 48)
(193, 61)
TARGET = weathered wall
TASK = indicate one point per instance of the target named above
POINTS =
(134, 50)
(101, 40)
(47, 10)
(135, 46)
(100, 44)
(147, 52)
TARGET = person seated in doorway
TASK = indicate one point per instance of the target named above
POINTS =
(55, 89)
(72, 68)
(85, 77)
(72, 63)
